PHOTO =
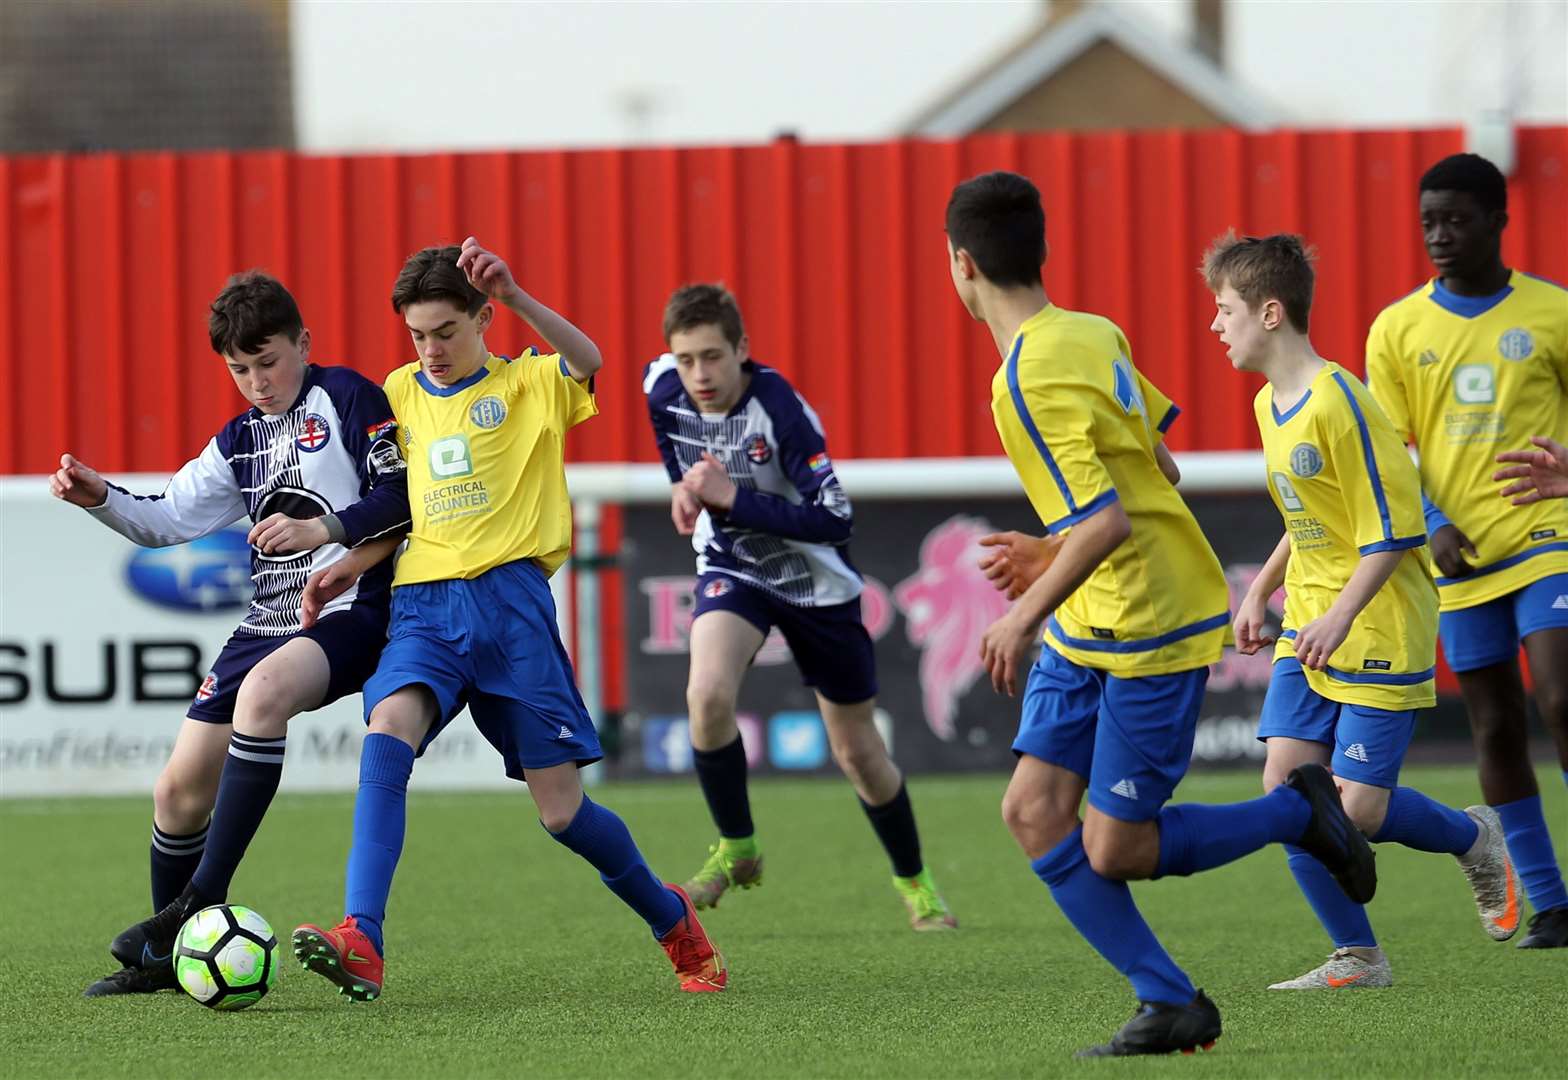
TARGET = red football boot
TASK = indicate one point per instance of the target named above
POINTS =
(344, 955)
(698, 965)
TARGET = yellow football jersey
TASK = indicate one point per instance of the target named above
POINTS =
(1465, 378)
(486, 466)
(1080, 424)
(1346, 487)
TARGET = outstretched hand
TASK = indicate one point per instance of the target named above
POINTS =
(1017, 560)
(1537, 474)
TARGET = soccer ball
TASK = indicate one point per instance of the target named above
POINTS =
(226, 957)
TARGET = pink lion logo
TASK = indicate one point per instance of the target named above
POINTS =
(947, 604)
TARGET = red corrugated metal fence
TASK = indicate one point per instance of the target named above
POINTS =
(107, 263)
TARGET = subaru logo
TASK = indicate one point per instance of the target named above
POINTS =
(208, 574)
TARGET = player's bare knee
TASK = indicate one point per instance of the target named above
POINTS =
(1551, 698)
(1365, 806)
(405, 724)
(557, 808)
(1033, 823)
(181, 804)
(710, 701)
(1112, 857)
(556, 819)
(260, 711)
(860, 759)
(1498, 734)
(1273, 776)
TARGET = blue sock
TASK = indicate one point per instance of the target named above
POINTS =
(1530, 847)
(380, 815)
(603, 839)
(245, 789)
(1345, 920)
(1103, 912)
(174, 860)
(1195, 836)
(1417, 822)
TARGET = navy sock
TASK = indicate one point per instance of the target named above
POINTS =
(1417, 822)
(380, 816)
(894, 822)
(1103, 912)
(599, 836)
(722, 775)
(1345, 920)
(250, 779)
(1530, 847)
(174, 860)
(1196, 836)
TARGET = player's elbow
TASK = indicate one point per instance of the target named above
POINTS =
(1167, 463)
(586, 361)
(838, 531)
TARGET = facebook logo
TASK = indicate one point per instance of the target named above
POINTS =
(666, 747)
(797, 740)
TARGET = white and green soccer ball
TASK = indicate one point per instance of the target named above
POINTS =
(226, 957)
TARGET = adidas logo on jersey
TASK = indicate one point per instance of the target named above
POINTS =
(566, 732)
(1356, 752)
(1427, 359)
(1560, 603)
(1125, 788)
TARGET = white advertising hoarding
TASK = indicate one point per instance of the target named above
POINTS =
(103, 645)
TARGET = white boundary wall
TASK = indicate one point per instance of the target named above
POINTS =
(73, 625)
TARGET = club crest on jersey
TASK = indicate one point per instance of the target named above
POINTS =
(1305, 461)
(758, 450)
(718, 587)
(208, 687)
(487, 412)
(313, 433)
(1516, 344)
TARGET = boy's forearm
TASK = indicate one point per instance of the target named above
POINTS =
(576, 348)
(372, 552)
(1272, 574)
(1370, 575)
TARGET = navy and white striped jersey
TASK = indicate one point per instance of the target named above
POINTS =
(788, 532)
(334, 452)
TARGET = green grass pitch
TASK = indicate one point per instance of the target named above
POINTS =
(509, 958)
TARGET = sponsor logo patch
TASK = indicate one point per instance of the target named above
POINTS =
(819, 463)
(1377, 665)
